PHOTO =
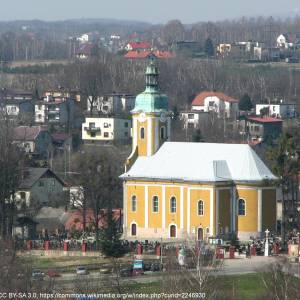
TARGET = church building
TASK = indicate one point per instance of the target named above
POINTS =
(181, 190)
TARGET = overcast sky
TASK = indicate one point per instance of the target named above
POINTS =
(154, 11)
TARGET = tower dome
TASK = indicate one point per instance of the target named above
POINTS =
(151, 100)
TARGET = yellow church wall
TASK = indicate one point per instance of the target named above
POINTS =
(249, 221)
(269, 209)
(155, 218)
(196, 220)
(139, 215)
(172, 217)
(224, 210)
(142, 143)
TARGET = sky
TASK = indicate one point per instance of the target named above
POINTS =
(153, 11)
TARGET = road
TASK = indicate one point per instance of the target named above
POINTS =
(68, 282)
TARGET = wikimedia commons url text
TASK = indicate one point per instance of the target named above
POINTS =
(102, 296)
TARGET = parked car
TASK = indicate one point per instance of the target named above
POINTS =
(126, 272)
(81, 271)
(37, 274)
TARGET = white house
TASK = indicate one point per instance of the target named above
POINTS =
(99, 129)
(223, 105)
(193, 119)
(278, 110)
(288, 40)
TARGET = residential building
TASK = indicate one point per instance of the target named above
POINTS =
(260, 128)
(55, 110)
(17, 104)
(194, 119)
(62, 141)
(266, 54)
(86, 50)
(223, 49)
(221, 104)
(178, 191)
(36, 141)
(277, 110)
(148, 54)
(97, 129)
(288, 40)
(111, 104)
(138, 46)
(40, 186)
(64, 93)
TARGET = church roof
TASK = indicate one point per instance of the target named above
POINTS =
(201, 162)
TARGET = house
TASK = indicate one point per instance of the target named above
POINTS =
(111, 104)
(97, 129)
(194, 119)
(86, 50)
(138, 46)
(266, 54)
(17, 104)
(148, 54)
(288, 40)
(55, 110)
(64, 93)
(223, 49)
(34, 140)
(62, 141)
(277, 110)
(260, 128)
(221, 104)
(177, 190)
(74, 220)
(40, 186)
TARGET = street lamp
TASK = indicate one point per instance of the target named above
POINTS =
(267, 243)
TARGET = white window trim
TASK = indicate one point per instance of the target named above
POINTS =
(172, 224)
(136, 226)
(171, 205)
(155, 212)
(198, 208)
(238, 208)
(134, 211)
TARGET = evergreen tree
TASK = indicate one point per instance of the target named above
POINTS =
(197, 136)
(245, 103)
(209, 47)
(110, 242)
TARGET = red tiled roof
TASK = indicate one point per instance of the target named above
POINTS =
(264, 119)
(199, 99)
(75, 219)
(27, 133)
(139, 45)
(146, 54)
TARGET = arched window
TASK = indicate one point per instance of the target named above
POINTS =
(155, 204)
(133, 229)
(162, 133)
(133, 203)
(173, 205)
(142, 132)
(242, 207)
(200, 208)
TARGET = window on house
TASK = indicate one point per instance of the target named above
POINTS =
(93, 134)
(242, 207)
(191, 116)
(200, 208)
(173, 205)
(256, 128)
(133, 203)
(105, 134)
(142, 133)
(105, 125)
(126, 133)
(211, 103)
(22, 195)
(162, 133)
(92, 125)
(126, 124)
(155, 204)
(41, 183)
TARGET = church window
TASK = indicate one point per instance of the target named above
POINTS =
(162, 133)
(133, 203)
(142, 133)
(155, 204)
(200, 208)
(242, 207)
(133, 229)
(173, 205)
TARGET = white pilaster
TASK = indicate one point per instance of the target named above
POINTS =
(134, 132)
(259, 210)
(188, 211)
(211, 212)
(124, 209)
(181, 207)
(149, 137)
(233, 211)
(146, 206)
(156, 133)
(163, 207)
